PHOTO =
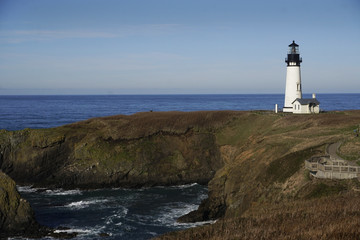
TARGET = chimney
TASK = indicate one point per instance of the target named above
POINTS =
(313, 95)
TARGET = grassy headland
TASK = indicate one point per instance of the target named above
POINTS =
(252, 162)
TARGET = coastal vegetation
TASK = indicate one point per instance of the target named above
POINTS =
(349, 149)
(333, 217)
(252, 162)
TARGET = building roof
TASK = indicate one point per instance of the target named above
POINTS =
(293, 44)
(306, 101)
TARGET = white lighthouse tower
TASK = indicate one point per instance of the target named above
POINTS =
(293, 78)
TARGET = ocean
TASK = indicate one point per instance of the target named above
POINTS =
(18, 112)
(119, 213)
(127, 213)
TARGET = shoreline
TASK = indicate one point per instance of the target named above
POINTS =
(229, 150)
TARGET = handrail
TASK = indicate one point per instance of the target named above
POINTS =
(331, 168)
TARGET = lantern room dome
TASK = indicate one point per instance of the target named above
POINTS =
(293, 56)
(293, 48)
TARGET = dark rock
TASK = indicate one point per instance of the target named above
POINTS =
(104, 235)
(16, 216)
(63, 235)
(244, 157)
(122, 151)
(211, 208)
(62, 228)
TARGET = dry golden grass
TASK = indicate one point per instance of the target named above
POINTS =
(322, 218)
(148, 123)
(350, 149)
(262, 152)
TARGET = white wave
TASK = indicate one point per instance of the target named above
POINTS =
(175, 186)
(82, 232)
(170, 214)
(165, 187)
(195, 224)
(116, 217)
(58, 192)
(125, 211)
(202, 197)
(28, 189)
(84, 204)
(153, 234)
(185, 186)
(77, 230)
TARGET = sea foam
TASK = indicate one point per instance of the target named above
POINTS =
(58, 192)
(84, 204)
(27, 189)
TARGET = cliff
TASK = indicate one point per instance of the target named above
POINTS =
(247, 158)
(16, 215)
(144, 149)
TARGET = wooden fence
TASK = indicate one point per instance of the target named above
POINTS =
(326, 167)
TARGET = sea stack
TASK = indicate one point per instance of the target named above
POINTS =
(16, 216)
(293, 77)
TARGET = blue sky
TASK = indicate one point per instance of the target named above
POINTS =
(176, 46)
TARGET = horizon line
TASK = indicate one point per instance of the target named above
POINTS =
(149, 94)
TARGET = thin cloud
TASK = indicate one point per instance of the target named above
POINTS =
(19, 36)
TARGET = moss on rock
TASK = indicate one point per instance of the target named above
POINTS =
(16, 215)
(244, 157)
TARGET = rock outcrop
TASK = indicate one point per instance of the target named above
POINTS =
(144, 149)
(246, 158)
(16, 215)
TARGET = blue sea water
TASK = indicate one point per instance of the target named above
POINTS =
(124, 213)
(18, 112)
(120, 213)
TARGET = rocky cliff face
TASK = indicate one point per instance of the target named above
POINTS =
(16, 215)
(245, 157)
(263, 157)
(130, 151)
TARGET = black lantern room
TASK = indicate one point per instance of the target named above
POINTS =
(293, 57)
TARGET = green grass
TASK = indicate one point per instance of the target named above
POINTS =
(239, 130)
(283, 168)
(323, 190)
(352, 155)
(307, 175)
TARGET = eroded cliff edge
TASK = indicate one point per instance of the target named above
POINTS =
(245, 157)
(143, 149)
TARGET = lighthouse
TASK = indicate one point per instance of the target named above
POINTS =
(294, 103)
(293, 77)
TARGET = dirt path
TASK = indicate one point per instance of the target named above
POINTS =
(332, 148)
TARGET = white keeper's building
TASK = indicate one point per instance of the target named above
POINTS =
(293, 94)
